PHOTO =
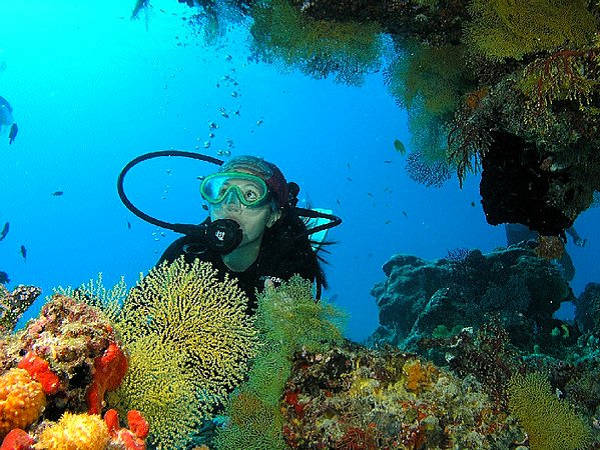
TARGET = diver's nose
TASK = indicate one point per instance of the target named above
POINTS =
(231, 201)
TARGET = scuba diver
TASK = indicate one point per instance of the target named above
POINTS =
(516, 233)
(6, 119)
(254, 230)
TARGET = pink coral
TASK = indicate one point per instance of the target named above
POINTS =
(17, 439)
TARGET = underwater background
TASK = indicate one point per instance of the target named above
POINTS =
(91, 89)
(418, 122)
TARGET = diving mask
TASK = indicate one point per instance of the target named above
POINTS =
(250, 190)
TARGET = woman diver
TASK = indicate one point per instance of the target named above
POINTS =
(254, 231)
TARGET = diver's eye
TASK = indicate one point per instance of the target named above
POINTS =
(251, 195)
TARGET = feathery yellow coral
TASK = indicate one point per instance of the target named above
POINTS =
(160, 388)
(75, 432)
(190, 340)
(511, 29)
(22, 400)
(549, 422)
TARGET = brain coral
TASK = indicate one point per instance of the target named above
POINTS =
(22, 400)
(75, 432)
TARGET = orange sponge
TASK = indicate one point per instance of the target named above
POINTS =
(22, 400)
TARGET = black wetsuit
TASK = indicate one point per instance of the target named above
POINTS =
(266, 265)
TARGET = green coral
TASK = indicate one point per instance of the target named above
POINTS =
(549, 422)
(511, 29)
(289, 320)
(317, 47)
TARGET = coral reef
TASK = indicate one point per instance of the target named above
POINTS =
(352, 397)
(587, 309)
(513, 284)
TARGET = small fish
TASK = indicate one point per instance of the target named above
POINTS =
(218, 85)
(259, 122)
(205, 207)
(224, 153)
(234, 94)
(129, 225)
(24, 252)
(237, 112)
(206, 144)
(348, 178)
(404, 214)
(4, 231)
(200, 177)
(228, 58)
(211, 135)
(387, 222)
(399, 146)
(387, 161)
(473, 204)
(370, 194)
(230, 143)
(14, 129)
(338, 202)
(4, 278)
(57, 193)
(212, 126)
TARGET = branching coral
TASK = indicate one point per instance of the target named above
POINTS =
(510, 29)
(550, 423)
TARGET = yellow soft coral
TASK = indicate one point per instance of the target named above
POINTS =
(549, 422)
(22, 400)
(75, 432)
(511, 29)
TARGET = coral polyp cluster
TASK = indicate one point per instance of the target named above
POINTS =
(74, 432)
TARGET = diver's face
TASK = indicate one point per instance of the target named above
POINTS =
(252, 220)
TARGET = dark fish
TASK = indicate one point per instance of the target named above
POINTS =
(57, 193)
(387, 161)
(473, 204)
(338, 202)
(129, 225)
(387, 222)
(399, 146)
(4, 231)
(404, 212)
(370, 194)
(14, 129)
(23, 252)
(348, 178)
(4, 278)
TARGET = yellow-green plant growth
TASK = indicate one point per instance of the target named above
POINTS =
(289, 320)
(317, 47)
(511, 29)
(550, 423)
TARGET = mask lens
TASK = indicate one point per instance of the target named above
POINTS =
(249, 189)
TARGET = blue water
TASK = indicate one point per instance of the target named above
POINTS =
(91, 89)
